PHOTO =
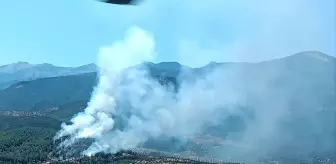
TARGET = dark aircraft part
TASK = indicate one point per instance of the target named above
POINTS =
(120, 2)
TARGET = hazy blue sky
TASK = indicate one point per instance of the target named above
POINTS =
(70, 32)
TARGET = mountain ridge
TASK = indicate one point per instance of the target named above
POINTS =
(81, 85)
(23, 71)
(304, 82)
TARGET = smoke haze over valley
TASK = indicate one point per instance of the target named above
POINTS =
(259, 110)
(212, 81)
(239, 112)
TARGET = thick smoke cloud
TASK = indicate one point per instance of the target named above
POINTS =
(154, 111)
(255, 110)
(151, 111)
(96, 121)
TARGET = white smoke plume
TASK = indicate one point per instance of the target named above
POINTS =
(158, 114)
(128, 108)
(96, 120)
(154, 111)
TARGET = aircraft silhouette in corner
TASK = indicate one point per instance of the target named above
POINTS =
(120, 2)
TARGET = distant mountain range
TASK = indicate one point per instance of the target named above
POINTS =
(21, 71)
(312, 73)
(304, 82)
